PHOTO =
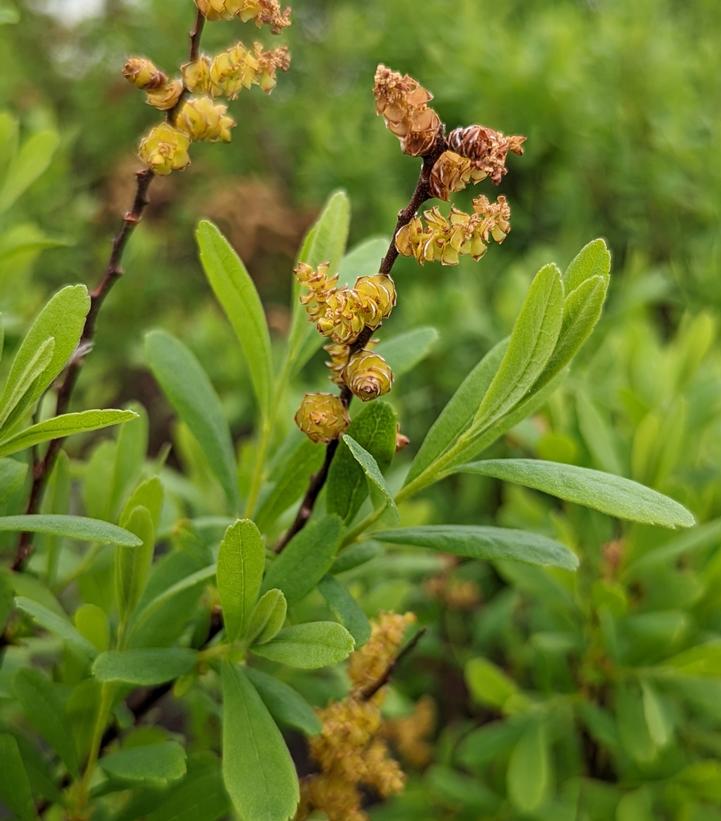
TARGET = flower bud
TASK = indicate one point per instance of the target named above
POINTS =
(143, 74)
(450, 173)
(344, 317)
(378, 297)
(202, 119)
(240, 67)
(319, 288)
(164, 149)
(166, 96)
(322, 417)
(486, 148)
(368, 375)
(196, 76)
(218, 9)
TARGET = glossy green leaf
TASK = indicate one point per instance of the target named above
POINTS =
(355, 555)
(44, 710)
(370, 467)
(258, 771)
(405, 351)
(289, 481)
(31, 162)
(36, 365)
(132, 566)
(345, 608)
(374, 429)
(528, 769)
(267, 618)
(309, 646)
(306, 558)
(481, 542)
(72, 527)
(54, 623)
(236, 292)
(194, 399)
(15, 790)
(610, 494)
(144, 667)
(285, 704)
(530, 347)
(241, 562)
(59, 427)
(152, 765)
(593, 260)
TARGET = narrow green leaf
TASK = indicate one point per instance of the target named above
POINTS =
(701, 661)
(305, 559)
(57, 625)
(267, 618)
(132, 566)
(59, 427)
(285, 704)
(530, 346)
(309, 646)
(153, 765)
(31, 162)
(62, 319)
(236, 292)
(92, 623)
(35, 366)
(289, 481)
(15, 790)
(613, 495)
(194, 399)
(528, 769)
(144, 667)
(405, 351)
(44, 710)
(480, 542)
(593, 260)
(71, 527)
(241, 561)
(325, 242)
(373, 472)
(355, 555)
(684, 544)
(375, 430)
(656, 715)
(130, 451)
(457, 415)
(598, 435)
(345, 608)
(258, 771)
(12, 478)
(492, 687)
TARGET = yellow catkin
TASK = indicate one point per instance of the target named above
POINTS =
(322, 417)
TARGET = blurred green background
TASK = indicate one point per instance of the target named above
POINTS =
(620, 102)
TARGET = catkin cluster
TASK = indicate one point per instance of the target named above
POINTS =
(192, 111)
(351, 751)
(465, 156)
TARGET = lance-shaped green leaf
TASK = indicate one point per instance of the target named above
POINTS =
(72, 527)
(258, 771)
(62, 320)
(153, 765)
(59, 427)
(144, 667)
(29, 163)
(528, 769)
(236, 292)
(241, 561)
(614, 495)
(405, 351)
(346, 609)
(267, 618)
(309, 646)
(194, 399)
(132, 567)
(57, 625)
(484, 542)
(530, 346)
(593, 260)
(15, 790)
(36, 365)
(305, 559)
(325, 242)
(374, 429)
(286, 705)
(12, 478)
(44, 710)
(375, 477)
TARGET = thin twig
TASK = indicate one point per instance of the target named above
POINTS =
(370, 691)
(421, 194)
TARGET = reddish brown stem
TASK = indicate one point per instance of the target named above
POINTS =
(420, 195)
(370, 691)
